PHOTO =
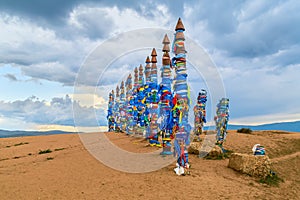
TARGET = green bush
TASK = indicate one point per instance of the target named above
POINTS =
(244, 130)
(272, 180)
(22, 143)
(45, 151)
(59, 149)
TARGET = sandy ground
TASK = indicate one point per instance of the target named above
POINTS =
(70, 172)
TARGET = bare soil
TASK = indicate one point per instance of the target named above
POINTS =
(70, 172)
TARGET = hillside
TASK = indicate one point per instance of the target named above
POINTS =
(19, 133)
(68, 171)
(282, 126)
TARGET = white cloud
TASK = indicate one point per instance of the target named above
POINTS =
(103, 22)
(58, 112)
(255, 44)
(50, 127)
(13, 123)
(39, 52)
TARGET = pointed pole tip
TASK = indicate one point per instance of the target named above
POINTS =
(153, 53)
(179, 25)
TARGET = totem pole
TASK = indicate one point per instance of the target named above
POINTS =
(166, 97)
(200, 114)
(110, 112)
(147, 90)
(222, 120)
(154, 100)
(180, 101)
(117, 111)
(129, 107)
(122, 108)
(134, 100)
(142, 110)
(148, 70)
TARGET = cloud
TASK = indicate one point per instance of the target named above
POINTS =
(255, 44)
(57, 112)
(39, 52)
(262, 92)
(246, 29)
(56, 53)
(70, 128)
(51, 71)
(54, 12)
(47, 11)
(11, 77)
(102, 22)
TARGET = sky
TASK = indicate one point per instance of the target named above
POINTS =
(48, 64)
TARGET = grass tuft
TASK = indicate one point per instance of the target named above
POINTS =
(45, 151)
(21, 143)
(271, 180)
(59, 149)
(49, 158)
(222, 156)
(244, 130)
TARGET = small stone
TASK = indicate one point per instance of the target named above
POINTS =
(194, 148)
(216, 152)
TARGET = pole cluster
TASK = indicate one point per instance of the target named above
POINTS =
(159, 111)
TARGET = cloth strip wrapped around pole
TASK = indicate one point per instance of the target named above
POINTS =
(143, 113)
(117, 111)
(200, 114)
(122, 108)
(133, 101)
(147, 90)
(110, 111)
(129, 106)
(166, 98)
(180, 101)
(154, 100)
(221, 119)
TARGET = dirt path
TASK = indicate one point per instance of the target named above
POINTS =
(286, 157)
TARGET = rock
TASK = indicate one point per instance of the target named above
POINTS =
(257, 166)
(194, 148)
(216, 152)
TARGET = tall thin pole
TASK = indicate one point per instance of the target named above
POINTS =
(221, 120)
(181, 101)
(129, 107)
(200, 113)
(110, 111)
(154, 100)
(116, 110)
(166, 98)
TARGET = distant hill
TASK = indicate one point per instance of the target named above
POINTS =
(282, 126)
(6, 133)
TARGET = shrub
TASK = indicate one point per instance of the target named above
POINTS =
(22, 143)
(45, 151)
(272, 180)
(59, 149)
(244, 130)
